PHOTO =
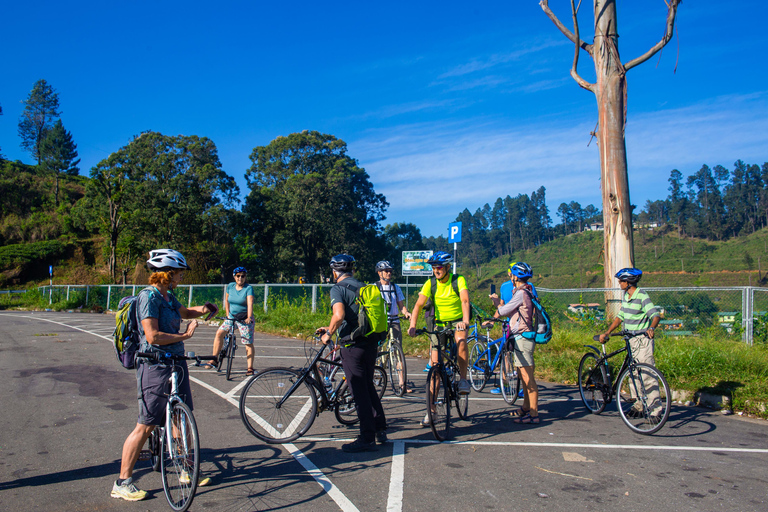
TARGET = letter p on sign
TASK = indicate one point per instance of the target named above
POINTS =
(454, 232)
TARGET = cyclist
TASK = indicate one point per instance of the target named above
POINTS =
(519, 309)
(238, 303)
(452, 311)
(358, 356)
(641, 318)
(394, 298)
(159, 314)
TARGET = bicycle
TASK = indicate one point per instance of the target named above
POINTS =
(279, 405)
(175, 447)
(393, 359)
(483, 350)
(228, 348)
(443, 386)
(637, 383)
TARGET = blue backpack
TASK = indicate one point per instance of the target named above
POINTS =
(542, 325)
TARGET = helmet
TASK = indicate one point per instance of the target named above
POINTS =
(343, 263)
(384, 265)
(521, 270)
(166, 259)
(238, 270)
(630, 275)
(440, 258)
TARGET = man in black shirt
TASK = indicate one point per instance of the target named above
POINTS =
(358, 356)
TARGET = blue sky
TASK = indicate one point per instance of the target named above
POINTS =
(447, 105)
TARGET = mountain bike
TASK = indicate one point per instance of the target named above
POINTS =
(485, 355)
(279, 405)
(228, 348)
(641, 391)
(443, 385)
(175, 447)
(392, 358)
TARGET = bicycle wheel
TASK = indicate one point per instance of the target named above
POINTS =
(647, 412)
(479, 368)
(259, 406)
(379, 380)
(156, 448)
(231, 355)
(397, 370)
(180, 467)
(509, 379)
(345, 409)
(223, 353)
(593, 382)
(438, 402)
(462, 401)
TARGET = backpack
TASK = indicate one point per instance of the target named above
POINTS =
(429, 306)
(126, 335)
(372, 317)
(542, 324)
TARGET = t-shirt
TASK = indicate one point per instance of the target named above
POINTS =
(238, 299)
(151, 304)
(447, 303)
(636, 312)
(508, 288)
(341, 293)
(392, 294)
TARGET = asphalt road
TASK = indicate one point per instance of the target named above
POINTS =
(68, 406)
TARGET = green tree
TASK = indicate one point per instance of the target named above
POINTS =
(41, 109)
(309, 200)
(58, 154)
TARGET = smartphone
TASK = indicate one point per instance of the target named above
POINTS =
(493, 289)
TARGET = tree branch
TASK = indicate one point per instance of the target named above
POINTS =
(567, 33)
(575, 74)
(671, 13)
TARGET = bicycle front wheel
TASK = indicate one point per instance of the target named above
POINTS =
(180, 467)
(274, 423)
(643, 398)
(478, 367)
(509, 378)
(397, 370)
(379, 380)
(593, 383)
(438, 402)
(462, 401)
(156, 448)
(345, 410)
(231, 355)
(223, 353)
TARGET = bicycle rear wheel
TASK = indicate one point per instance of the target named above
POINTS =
(223, 353)
(379, 380)
(643, 398)
(259, 406)
(156, 448)
(180, 467)
(345, 409)
(593, 383)
(231, 355)
(509, 378)
(479, 368)
(397, 370)
(438, 402)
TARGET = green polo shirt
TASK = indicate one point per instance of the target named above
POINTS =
(637, 311)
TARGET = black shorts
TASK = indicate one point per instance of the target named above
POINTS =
(153, 385)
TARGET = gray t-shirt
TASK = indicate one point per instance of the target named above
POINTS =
(151, 304)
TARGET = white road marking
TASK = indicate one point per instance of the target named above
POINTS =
(397, 478)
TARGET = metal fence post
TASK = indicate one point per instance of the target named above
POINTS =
(109, 296)
(750, 330)
(68, 293)
(266, 294)
(189, 302)
(87, 289)
(314, 298)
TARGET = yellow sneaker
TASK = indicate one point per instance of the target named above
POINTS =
(201, 482)
(128, 491)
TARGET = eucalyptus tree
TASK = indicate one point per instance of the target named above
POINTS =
(41, 109)
(58, 154)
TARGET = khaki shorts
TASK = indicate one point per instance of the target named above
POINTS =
(524, 351)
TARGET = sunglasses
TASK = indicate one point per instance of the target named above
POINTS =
(437, 267)
(240, 275)
(388, 271)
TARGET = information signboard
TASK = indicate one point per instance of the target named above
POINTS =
(415, 263)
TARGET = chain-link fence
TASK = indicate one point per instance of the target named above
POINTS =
(739, 311)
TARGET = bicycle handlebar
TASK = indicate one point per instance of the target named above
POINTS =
(596, 337)
(495, 320)
(426, 331)
(167, 356)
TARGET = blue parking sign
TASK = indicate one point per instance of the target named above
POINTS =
(454, 232)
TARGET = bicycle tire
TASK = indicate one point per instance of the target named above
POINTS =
(345, 409)
(593, 382)
(509, 377)
(223, 353)
(155, 449)
(397, 369)
(180, 467)
(462, 401)
(231, 355)
(438, 398)
(652, 416)
(258, 406)
(379, 380)
(479, 369)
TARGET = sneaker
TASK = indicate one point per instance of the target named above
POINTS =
(464, 387)
(358, 445)
(127, 491)
(634, 413)
(521, 393)
(381, 437)
(496, 391)
(427, 368)
(201, 482)
(425, 422)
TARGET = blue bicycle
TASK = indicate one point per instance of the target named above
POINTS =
(485, 355)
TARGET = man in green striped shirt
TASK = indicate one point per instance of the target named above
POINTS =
(640, 317)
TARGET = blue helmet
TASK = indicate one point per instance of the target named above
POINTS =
(521, 270)
(630, 275)
(238, 270)
(343, 263)
(440, 258)
(384, 265)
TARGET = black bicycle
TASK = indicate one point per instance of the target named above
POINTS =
(392, 358)
(279, 405)
(228, 348)
(443, 385)
(641, 391)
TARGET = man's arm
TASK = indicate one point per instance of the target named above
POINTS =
(336, 318)
(465, 310)
(616, 322)
(415, 314)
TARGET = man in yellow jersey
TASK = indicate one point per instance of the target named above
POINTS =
(450, 299)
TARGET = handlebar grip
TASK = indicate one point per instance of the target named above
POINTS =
(596, 337)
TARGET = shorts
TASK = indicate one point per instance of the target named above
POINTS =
(153, 385)
(246, 330)
(523, 351)
(442, 325)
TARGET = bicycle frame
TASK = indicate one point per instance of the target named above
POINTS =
(312, 375)
(603, 360)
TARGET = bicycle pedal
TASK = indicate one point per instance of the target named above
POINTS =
(145, 455)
